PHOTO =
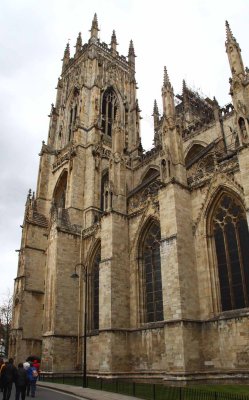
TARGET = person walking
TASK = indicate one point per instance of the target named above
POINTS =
(2, 365)
(8, 376)
(21, 382)
(32, 375)
(26, 366)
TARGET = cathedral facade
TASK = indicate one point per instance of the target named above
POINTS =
(137, 262)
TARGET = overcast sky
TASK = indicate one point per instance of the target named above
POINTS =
(187, 36)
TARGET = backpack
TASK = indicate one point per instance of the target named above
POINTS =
(34, 373)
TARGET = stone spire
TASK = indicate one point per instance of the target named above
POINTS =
(168, 96)
(114, 43)
(166, 81)
(94, 29)
(66, 57)
(234, 53)
(156, 116)
(131, 55)
(78, 45)
(229, 34)
(155, 109)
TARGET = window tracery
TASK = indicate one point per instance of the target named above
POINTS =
(152, 281)
(109, 110)
(231, 239)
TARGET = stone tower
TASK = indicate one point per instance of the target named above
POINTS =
(158, 240)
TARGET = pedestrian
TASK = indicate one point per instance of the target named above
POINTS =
(36, 364)
(2, 365)
(8, 376)
(32, 375)
(21, 382)
(26, 366)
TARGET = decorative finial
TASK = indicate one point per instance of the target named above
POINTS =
(78, 45)
(28, 198)
(94, 29)
(114, 42)
(166, 80)
(66, 57)
(131, 49)
(229, 34)
(155, 109)
(184, 86)
(131, 55)
(215, 102)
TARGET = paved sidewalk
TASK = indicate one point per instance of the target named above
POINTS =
(86, 393)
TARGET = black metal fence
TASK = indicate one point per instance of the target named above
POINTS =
(147, 391)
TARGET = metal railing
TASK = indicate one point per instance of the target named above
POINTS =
(147, 391)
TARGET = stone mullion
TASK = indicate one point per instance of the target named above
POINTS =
(153, 283)
(229, 272)
(241, 265)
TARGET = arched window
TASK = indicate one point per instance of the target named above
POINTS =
(231, 238)
(152, 281)
(94, 290)
(193, 152)
(104, 190)
(242, 127)
(109, 110)
(72, 120)
(60, 191)
(150, 174)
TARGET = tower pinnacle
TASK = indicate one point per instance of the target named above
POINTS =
(229, 34)
(234, 53)
(78, 45)
(155, 109)
(168, 96)
(66, 57)
(114, 42)
(166, 81)
(94, 29)
(131, 54)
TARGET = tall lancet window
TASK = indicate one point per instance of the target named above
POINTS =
(152, 281)
(231, 238)
(109, 110)
(94, 290)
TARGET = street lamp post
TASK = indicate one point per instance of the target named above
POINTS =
(83, 267)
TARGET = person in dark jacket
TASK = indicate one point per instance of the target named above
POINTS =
(21, 382)
(2, 366)
(32, 375)
(8, 376)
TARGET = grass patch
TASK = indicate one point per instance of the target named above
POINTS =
(229, 389)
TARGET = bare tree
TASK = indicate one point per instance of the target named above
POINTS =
(5, 319)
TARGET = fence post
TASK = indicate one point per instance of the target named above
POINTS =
(133, 389)
(180, 393)
(154, 391)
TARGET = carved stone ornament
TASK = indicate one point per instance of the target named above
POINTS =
(141, 198)
(241, 107)
(64, 157)
(100, 151)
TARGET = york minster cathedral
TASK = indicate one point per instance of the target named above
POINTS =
(137, 261)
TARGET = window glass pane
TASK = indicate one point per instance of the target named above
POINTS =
(236, 278)
(152, 274)
(232, 252)
(244, 246)
(222, 270)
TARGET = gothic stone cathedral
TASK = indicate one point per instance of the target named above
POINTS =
(159, 239)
